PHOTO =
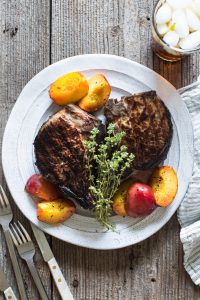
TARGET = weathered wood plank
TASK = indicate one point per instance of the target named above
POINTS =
(152, 269)
(24, 42)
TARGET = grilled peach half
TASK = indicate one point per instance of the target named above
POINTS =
(56, 211)
(99, 92)
(69, 88)
(164, 183)
(39, 187)
(119, 198)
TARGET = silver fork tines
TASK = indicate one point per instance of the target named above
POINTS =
(18, 237)
(5, 209)
(5, 219)
(3, 198)
(26, 250)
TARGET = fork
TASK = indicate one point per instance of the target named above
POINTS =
(5, 219)
(26, 250)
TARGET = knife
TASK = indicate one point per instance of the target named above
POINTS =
(4, 287)
(48, 256)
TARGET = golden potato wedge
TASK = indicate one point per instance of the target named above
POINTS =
(69, 88)
(119, 198)
(164, 183)
(53, 212)
(99, 92)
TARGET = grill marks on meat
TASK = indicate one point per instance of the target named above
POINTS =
(60, 152)
(148, 126)
(59, 144)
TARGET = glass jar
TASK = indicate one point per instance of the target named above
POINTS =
(162, 49)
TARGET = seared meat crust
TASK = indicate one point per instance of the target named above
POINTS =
(147, 123)
(60, 152)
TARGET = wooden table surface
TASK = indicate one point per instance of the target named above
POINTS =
(36, 33)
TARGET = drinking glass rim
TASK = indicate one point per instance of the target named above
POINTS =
(182, 51)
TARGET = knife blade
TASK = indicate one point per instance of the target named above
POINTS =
(4, 286)
(53, 265)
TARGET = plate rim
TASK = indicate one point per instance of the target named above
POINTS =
(119, 58)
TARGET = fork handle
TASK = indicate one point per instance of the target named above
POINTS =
(9, 294)
(37, 280)
(15, 265)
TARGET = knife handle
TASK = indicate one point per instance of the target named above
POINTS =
(59, 280)
(9, 294)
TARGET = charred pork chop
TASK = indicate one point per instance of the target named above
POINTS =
(60, 152)
(147, 123)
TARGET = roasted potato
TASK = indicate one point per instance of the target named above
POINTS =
(57, 211)
(69, 88)
(99, 92)
(119, 198)
(39, 187)
(164, 183)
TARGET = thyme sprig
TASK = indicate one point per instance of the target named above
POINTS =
(106, 165)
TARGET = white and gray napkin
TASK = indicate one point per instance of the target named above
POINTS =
(189, 210)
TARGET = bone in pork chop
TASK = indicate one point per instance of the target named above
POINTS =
(147, 123)
(60, 152)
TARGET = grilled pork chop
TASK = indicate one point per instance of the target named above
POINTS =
(60, 152)
(59, 144)
(148, 127)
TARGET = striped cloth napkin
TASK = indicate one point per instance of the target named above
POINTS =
(189, 210)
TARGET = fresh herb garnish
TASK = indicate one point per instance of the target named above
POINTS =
(107, 163)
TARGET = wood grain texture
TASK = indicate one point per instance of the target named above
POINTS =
(35, 33)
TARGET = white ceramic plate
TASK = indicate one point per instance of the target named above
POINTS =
(34, 106)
